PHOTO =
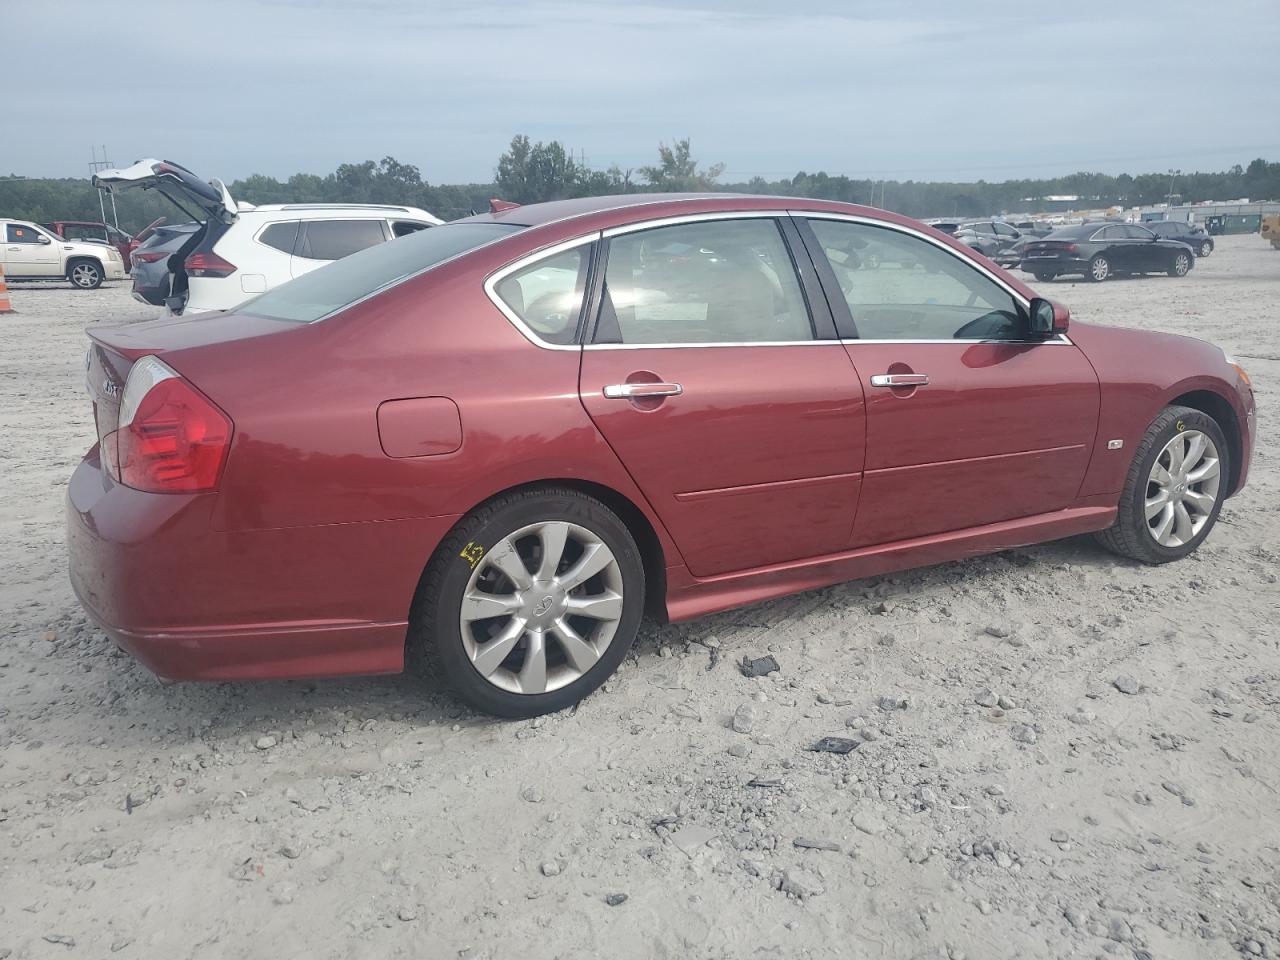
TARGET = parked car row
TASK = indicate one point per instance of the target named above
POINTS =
(32, 252)
(239, 250)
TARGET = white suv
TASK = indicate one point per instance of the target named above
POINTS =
(30, 252)
(242, 250)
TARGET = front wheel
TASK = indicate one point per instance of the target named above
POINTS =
(85, 274)
(1099, 269)
(1181, 265)
(1174, 489)
(1206, 248)
(1043, 276)
(532, 601)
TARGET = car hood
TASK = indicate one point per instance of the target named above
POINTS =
(175, 182)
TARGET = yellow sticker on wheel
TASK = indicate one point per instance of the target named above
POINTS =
(1181, 426)
(472, 553)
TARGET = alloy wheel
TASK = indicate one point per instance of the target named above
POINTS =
(541, 607)
(1182, 488)
(1099, 269)
(83, 275)
(1205, 249)
(1181, 264)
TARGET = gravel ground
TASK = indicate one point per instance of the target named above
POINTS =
(1061, 754)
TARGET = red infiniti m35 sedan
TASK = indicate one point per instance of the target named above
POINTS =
(509, 437)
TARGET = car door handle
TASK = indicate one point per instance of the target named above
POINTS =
(637, 391)
(900, 380)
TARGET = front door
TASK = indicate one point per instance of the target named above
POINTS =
(29, 252)
(706, 376)
(969, 421)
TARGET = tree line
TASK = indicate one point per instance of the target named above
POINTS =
(529, 172)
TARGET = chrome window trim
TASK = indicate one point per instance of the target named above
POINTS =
(730, 343)
(491, 288)
(696, 218)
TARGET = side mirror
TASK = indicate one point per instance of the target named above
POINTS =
(1048, 319)
(43, 239)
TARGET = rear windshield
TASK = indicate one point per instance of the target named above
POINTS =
(321, 292)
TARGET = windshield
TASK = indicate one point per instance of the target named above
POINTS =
(319, 293)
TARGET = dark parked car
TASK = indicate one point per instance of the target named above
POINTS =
(507, 438)
(988, 237)
(152, 270)
(1099, 251)
(1197, 238)
(1011, 255)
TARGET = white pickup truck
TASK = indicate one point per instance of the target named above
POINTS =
(30, 252)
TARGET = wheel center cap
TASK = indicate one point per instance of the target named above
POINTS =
(543, 606)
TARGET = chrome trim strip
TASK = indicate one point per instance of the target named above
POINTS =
(911, 231)
(492, 281)
(1060, 340)
(696, 218)
(744, 343)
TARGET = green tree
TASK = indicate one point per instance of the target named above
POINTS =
(678, 171)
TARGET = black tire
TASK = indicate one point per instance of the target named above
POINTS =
(434, 619)
(1180, 266)
(1043, 277)
(1098, 265)
(85, 273)
(1130, 536)
(1206, 248)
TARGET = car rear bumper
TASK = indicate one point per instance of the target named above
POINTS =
(194, 603)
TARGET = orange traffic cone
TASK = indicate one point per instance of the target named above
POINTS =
(5, 305)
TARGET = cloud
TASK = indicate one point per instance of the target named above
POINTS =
(926, 90)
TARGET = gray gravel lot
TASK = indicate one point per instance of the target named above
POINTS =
(1061, 754)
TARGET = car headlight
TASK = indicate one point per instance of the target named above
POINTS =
(1244, 374)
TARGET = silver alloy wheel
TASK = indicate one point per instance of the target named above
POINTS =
(541, 607)
(1099, 268)
(84, 275)
(1182, 488)
(1181, 264)
(1205, 249)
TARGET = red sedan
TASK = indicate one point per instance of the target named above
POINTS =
(508, 437)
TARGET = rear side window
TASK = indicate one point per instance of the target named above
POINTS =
(319, 293)
(335, 239)
(547, 295)
(721, 281)
(280, 235)
(1137, 233)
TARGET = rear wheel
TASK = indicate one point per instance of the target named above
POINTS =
(1099, 269)
(85, 274)
(1206, 248)
(1181, 265)
(1174, 489)
(532, 601)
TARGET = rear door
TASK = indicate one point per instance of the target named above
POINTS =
(727, 398)
(1148, 255)
(969, 420)
(323, 241)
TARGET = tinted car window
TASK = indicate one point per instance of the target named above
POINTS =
(1004, 230)
(721, 281)
(402, 228)
(321, 292)
(943, 298)
(335, 239)
(20, 234)
(547, 295)
(1137, 233)
(1109, 233)
(77, 231)
(280, 235)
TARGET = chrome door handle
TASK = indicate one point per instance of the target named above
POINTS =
(900, 380)
(638, 391)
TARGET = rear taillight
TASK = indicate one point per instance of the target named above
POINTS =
(208, 265)
(147, 256)
(171, 437)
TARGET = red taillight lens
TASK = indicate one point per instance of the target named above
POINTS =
(147, 256)
(177, 441)
(208, 265)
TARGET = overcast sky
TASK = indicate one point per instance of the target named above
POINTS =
(938, 89)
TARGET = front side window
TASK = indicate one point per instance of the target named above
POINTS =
(932, 295)
(547, 295)
(716, 281)
(1004, 230)
(17, 233)
(335, 239)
